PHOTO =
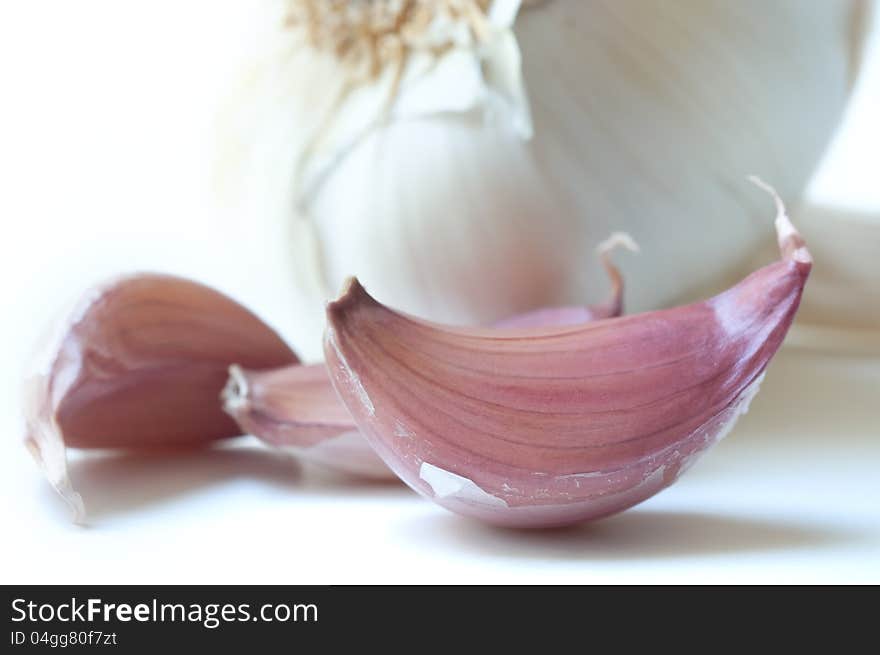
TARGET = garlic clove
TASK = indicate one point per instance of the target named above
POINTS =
(291, 400)
(554, 425)
(140, 363)
(296, 406)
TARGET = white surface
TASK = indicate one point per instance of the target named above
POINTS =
(790, 496)
(105, 129)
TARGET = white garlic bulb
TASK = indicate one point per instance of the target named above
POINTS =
(465, 159)
(840, 214)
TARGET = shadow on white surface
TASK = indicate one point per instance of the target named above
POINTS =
(636, 534)
(118, 483)
(114, 484)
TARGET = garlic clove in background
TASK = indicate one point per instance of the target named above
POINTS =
(464, 184)
(574, 314)
(550, 426)
(296, 408)
(140, 363)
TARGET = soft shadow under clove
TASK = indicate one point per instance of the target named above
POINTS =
(636, 534)
(323, 481)
(119, 483)
(115, 483)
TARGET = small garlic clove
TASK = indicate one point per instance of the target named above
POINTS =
(296, 406)
(140, 363)
(554, 425)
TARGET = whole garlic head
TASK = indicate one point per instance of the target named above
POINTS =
(466, 160)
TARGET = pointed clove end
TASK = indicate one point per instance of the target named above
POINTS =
(614, 305)
(351, 295)
(350, 287)
(43, 436)
(52, 458)
(791, 244)
(236, 394)
(74, 502)
(336, 309)
(617, 240)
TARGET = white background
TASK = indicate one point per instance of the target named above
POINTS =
(106, 134)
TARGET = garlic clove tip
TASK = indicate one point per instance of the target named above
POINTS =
(791, 244)
(617, 240)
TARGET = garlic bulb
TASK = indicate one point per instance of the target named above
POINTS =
(841, 216)
(461, 157)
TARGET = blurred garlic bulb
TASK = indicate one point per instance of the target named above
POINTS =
(462, 157)
(846, 292)
(840, 213)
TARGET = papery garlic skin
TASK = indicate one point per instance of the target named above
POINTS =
(549, 426)
(140, 363)
(466, 185)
